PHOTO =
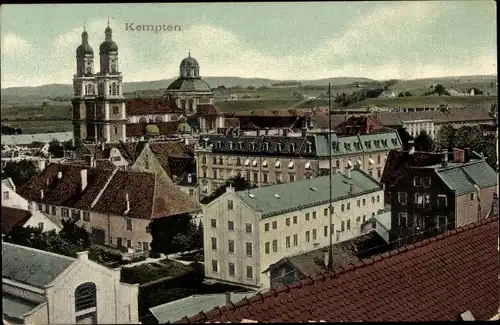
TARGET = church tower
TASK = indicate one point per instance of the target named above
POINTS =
(84, 88)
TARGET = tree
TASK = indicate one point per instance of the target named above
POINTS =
(439, 89)
(239, 183)
(423, 142)
(74, 234)
(469, 137)
(20, 172)
(197, 238)
(165, 233)
(401, 94)
(56, 149)
(408, 94)
(445, 138)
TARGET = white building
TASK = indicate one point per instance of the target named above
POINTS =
(13, 217)
(414, 127)
(10, 198)
(246, 231)
(45, 288)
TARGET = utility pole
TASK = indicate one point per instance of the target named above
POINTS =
(330, 207)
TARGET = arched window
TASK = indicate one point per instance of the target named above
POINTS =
(110, 89)
(114, 88)
(158, 119)
(113, 68)
(204, 160)
(143, 120)
(118, 89)
(85, 298)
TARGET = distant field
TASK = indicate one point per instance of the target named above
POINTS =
(257, 105)
(43, 126)
(36, 112)
(422, 101)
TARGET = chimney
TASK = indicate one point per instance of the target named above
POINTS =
(467, 152)
(128, 203)
(228, 298)
(59, 175)
(444, 160)
(458, 155)
(348, 172)
(41, 194)
(325, 258)
(83, 256)
(83, 176)
(351, 188)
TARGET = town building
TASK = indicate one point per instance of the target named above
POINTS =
(430, 193)
(443, 278)
(265, 159)
(40, 287)
(246, 231)
(116, 206)
(14, 217)
(10, 198)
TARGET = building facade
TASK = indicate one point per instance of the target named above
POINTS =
(274, 159)
(40, 287)
(247, 231)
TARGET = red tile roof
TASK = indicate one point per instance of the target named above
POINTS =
(12, 217)
(176, 158)
(436, 279)
(150, 105)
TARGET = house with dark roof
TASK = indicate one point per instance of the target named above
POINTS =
(265, 159)
(431, 192)
(443, 278)
(115, 205)
(247, 231)
(40, 287)
(13, 217)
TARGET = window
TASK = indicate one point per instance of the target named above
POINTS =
(402, 219)
(129, 243)
(364, 218)
(379, 172)
(358, 221)
(275, 246)
(249, 249)
(287, 222)
(255, 177)
(230, 245)
(230, 225)
(86, 215)
(248, 228)
(275, 224)
(53, 211)
(115, 130)
(65, 212)
(266, 226)
(364, 202)
(348, 224)
(129, 224)
(40, 207)
(314, 214)
(215, 266)
(214, 243)
(442, 200)
(307, 216)
(85, 299)
(229, 205)
(325, 231)
(349, 205)
(213, 223)
(115, 110)
(264, 177)
(314, 234)
(47, 207)
(214, 173)
(75, 214)
(342, 225)
(417, 181)
(145, 246)
(295, 240)
(342, 207)
(214, 161)
(287, 241)
(325, 212)
(426, 182)
(204, 160)
(249, 272)
(402, 197)
(294, 220)
(247, 175)
(472, 196)
(358, 203)
(6, 195)
(378, 198)
(441, 222)
(308, 236)
(266, 247)
(373, 199)
(291, 177)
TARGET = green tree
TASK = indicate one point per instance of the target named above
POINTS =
(445, 138)
(165, 233)
(439, 89)
(56, 149)
(423, 142)
(470, 137)
(20, 172)
(401, 94)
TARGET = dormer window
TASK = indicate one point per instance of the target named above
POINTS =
(292, 147)
(254, 163)
(266, 146)
(221, 161)
(308, 165)
(309, 147)
(291, 164)
(264, 164)
(277, 164)
(278, 147)
(247, 162)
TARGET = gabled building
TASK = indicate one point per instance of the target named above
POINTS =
(246, 231)
(40, 287)
(116, 206)
(10, 198)
(265, 159)
(12, 218)
(442, 278)
(433, 197)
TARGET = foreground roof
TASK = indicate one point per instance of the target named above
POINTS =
(276, 199)
(32, 266)
(436, 279)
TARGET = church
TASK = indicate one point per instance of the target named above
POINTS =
(101, 113)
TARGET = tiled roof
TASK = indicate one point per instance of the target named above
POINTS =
(433, 280)
(276, 112)
(150, 105)
(207, 110)
(12, 217)
(176, 158)
(272, 121)
(32, 266)
(306, 193)
(150, 194)
(139, 129)
(231, 122)
(15, 307)
(462, 177)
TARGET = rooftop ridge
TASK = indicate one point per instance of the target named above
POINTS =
(39, 251)
(310, 280)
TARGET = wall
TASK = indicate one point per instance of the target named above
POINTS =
(283, 231)
(117, 159)
(240, 215)
(38, 218)
(14, 200)
(116, 303)
(149, 117)
(467, 208)
(147, 162)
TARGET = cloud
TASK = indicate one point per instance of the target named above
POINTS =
(13, 45)
(386, 43)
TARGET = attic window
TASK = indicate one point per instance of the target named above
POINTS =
(277, 164)
(308, 165)
(247, 162)
(371, 161)
(277, 196)
(349, 163)
(252, 146)
(240, 145)
(266, 146)
(230, 145)
(290, 164)
(309, 147)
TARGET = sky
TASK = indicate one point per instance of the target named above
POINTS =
(301, 41)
